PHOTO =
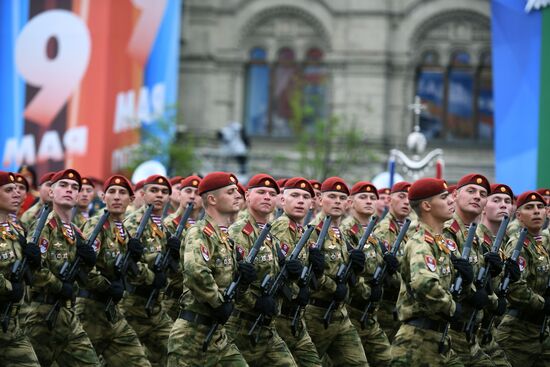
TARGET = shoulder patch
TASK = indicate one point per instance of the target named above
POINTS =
(319, 226)
(454, 227)
(241, 251)
(96, 246)
(451, 245)
(43, 245)
(285, 249)
(52, 223)
(521, 263)
(430, 262)
(248, 229)
(393, 227)
(487, 240)
(292, 225)
(208, 230)
(428, 237)
(355, 229)
(106, 225)
(526, 242)
(205, 253)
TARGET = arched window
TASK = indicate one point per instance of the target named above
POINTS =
(485, 122)
(284, 92)
(257, 93)
(430, 86)
(460, 98)
(314, 88)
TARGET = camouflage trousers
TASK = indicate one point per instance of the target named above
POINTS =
(117, 342)
(67, 344)
(302, 348)
(494, 351)
(340, 340)
(172, 307)
(387, 318)
(374, 340)
(15, 348)
(520, 341)
(185, 347)
(416, 347)
(153, 331)
(269, 349)
(470, 353)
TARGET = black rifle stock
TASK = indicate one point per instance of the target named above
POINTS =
(231, 291)
(381, 271)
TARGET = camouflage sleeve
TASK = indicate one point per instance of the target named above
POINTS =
(198, 276)
(5, 285)
(96, 281)
(144, 275)
(247, 297)
(44, 277)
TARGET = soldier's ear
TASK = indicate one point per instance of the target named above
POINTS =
(132, 198)
(102, 196)
(426, 206)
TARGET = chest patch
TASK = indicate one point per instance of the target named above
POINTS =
(451, 245)
(205, 253)
(521, 263)
(285, 248)
(431, 264)
(43, 246)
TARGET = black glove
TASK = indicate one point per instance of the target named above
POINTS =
(391, 262)
(340, 293)
(266, 305)
(357, 258)
(302, 299)
(457, 314)
(32, 253)
(501, 306)
(135, 248)
(317, 261)
(464, 269)
(66, 291)
(17, 291)
(173, 245)
(87, 254)
(247, 272)
(493, 260)
(546, 308)
(478, 299)
(376, 292)
(223, 312)
(159, 281)
(294, 268)
(512, 270)
(116, 291)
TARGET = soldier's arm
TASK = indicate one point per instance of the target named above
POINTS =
(96, 281)
(144, 275)
(245, 297)
(45, 276)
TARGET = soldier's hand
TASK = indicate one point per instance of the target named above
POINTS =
(392, 263)
(173, 245)
(87, 254)
(502, 304)
(159, 281)
(464, 269)
(317, 261)
(512, 270)
(136, 249)
(223, 312)
(66, 291)
(479, 299)
(302, 299)
(357, 260)
(266, 305)
(17, 291)
(493, 260)
(116, 291)
(294, 268)
(546, 307)
(32, 253)
(376, 292)
(247, 272)
(340, 293)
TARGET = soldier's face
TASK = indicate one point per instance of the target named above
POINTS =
(175, 198)
(471, 199)
(382, 202)
(138, 200)
(158, 195)
(498, 205)
(225, 200)
(332, 203)
(296, 203)
(85, 195)
(399, 205)
(261, 199)
(117, 199)
(45, 191)
(532, 215)
(317, 200)
(22, 190)
(10, 198)
(364, 203)
(442, 207)
(64, 193)
(189, 195)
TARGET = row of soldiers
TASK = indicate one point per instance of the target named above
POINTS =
(295, 273)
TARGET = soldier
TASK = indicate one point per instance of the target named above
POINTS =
(114, 339)
(85, 197)
(138, 200)
(209, 262)
(31, 215)
(375, 341)
(261, 195)
(296, 200)
(470, 199)
(387, 230)
(340, 340)
(382, 205)
(175, 197)
(188, 194)
(60, 241)
(529, 302)
(425, 304)
(22, 187)
(153, 330)
(15, 347)
(316, 205)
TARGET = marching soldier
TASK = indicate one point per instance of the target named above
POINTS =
(66, 343)
(382, 205)
(316, 206)
(22, 187)
(209, 262)
(15, 347)
(29, 218)
(114, 339)
(138, 200)
(85, 197)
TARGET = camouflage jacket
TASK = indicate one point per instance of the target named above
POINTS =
(513, 227)
(456, 230)
(79, 219)
(209, 264)
(10, 251)
(29, 218)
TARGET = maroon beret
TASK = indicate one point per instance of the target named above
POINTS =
(158, 180)
(19, 178)
(118, 180)
(385, 190)
(315, 184)
(216, 180)
(544, 192)
(364, 186)
(46, 177)
(299, 183)
(241, 189)
(501, 189)
(402, 186)
(474, 179)
(281, 182)
(426, 188)
(191, 181)
(67, 174)
(88, 181)
(263, 180)
(139, 185)
(529, 196)
(335, 184)
(6, 178)
(451, 188)
(176, 180)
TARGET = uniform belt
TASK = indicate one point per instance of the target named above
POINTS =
(196, 318)
(532, 317)
(458, 326)
(319, 302)
(250, 317)
(47, 299)
(427, 324)
(84, 293)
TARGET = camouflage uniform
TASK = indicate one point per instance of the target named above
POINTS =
(518, 332)
(374, 339)
(15, 347)
(470, 353)
(513, 227)
(79, 219)
(153, 331)
(340, 340)
(288, 233)
(116, 341)
(209, 262)
(67, 344)
(29, 218)
(424, 302)
(270, 348)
